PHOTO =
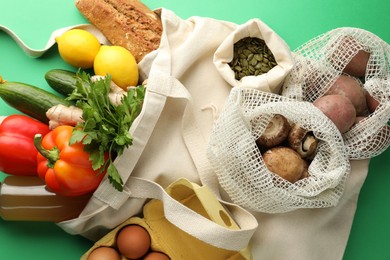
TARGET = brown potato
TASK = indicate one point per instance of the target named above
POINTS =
(338, 109)
(357, 64)
(372, 103)
(351, 88)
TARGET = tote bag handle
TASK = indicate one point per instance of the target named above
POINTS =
(36, 53)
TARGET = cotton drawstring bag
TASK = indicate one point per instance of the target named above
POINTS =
(171, 143)
(270, 81)
(357, 53)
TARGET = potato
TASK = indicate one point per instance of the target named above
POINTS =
(372, 103)
(359, 118)
(357, 65)
(351, 88)
(338, 109)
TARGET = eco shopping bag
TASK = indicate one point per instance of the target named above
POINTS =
(360, 55)
(168, 141)
(241, 167)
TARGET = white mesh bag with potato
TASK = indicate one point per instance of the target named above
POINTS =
(240, 167)
(355, 63)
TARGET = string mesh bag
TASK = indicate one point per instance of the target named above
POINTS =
(356, 53)
(239, 165)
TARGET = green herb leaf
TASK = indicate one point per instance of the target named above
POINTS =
(114, 177)
(98, 159)
(105, 127)
(77, 136)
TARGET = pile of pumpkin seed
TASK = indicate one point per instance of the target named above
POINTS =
(251, 57)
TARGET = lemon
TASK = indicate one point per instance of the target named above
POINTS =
(78, 48)
(119, 63)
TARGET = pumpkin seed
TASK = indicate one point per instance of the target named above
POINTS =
(251, 56)
(237, 68)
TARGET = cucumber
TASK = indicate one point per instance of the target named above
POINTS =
(29, 99)
(62, 81)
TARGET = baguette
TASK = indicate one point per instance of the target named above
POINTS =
(126, 23)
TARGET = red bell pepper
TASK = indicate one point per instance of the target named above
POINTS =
(66, 168)
(18, 154)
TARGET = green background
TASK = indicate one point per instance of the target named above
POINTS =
(295, 21)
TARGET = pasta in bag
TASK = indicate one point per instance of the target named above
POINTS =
(239, 165)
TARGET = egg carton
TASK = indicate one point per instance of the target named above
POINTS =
(169, 239)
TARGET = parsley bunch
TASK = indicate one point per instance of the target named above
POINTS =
(105, 127)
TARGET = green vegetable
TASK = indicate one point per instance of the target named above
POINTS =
(62, 81)
(106, 126)
(29, 99)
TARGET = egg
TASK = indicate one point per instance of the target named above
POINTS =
(104, 253)
(133, 241)
(156, 256)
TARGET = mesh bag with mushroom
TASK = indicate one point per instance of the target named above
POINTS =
(346, 73)
(274, 154)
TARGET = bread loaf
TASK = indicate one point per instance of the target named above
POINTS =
(126, 23)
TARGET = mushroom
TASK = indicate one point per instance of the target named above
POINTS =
(302, 141)
(275, 133)
(286, 162)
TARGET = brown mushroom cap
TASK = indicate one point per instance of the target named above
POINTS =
(302, 141)
(285, 162)
(276, 132)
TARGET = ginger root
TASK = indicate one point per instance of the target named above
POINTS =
(63, 115)
(116, 92)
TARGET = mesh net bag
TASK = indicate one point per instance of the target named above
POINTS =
(356, 53)
(240, 167)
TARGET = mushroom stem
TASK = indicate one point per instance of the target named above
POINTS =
(303, 141)
(308, 142)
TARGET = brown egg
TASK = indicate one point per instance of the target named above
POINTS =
(156, 256)
(104, 253)
(133, 241)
